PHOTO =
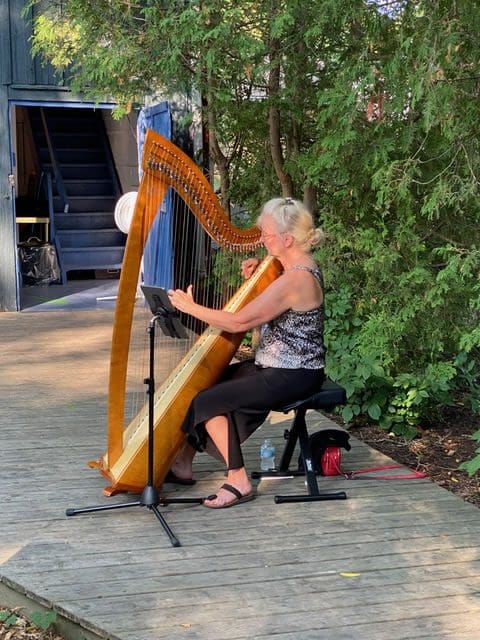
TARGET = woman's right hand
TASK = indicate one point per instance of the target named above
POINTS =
(248, 266)
(182, 300)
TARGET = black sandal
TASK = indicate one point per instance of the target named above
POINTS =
(239, 497)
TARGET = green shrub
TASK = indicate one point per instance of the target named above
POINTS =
(370, 353)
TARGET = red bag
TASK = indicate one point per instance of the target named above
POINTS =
(412, 474)
(326, 446)
(330, 461)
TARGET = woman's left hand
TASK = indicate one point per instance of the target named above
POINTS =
(182, 300)
(248, 266)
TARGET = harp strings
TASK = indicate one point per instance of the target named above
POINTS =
(183, 253)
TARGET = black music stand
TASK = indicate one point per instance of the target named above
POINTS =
(167, 317)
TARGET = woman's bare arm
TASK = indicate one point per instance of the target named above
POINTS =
(290, 290)
(268, 305)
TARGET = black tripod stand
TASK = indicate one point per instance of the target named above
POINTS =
(167, 318)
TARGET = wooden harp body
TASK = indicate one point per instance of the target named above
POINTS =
(124, 463)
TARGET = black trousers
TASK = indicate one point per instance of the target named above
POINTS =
(245, 395)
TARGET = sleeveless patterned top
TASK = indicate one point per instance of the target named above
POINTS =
(294, 340)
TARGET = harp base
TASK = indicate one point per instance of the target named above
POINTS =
(150, 497)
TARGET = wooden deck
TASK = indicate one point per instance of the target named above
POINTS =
(396, 560)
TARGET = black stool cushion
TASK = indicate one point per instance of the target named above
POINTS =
(330, 395)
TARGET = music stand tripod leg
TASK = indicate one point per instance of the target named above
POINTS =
(150, 497)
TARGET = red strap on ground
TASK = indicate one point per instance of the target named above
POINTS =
(413, 475)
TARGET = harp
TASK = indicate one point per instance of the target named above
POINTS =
(166, 170)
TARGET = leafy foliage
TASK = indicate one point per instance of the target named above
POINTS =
(43, 619)
(39, 624)
(8, 618)
(375, 106)
(403, 210)
(473, 466)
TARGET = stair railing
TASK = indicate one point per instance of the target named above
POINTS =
(56, 170)
(46, 184)
(49, 193)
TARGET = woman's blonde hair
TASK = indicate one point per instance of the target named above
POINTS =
(292, 216)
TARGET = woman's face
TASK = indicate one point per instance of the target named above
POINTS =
(271, 236)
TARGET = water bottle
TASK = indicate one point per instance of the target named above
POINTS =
(267, 456)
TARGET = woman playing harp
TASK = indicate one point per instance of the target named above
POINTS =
(289, 361)
(192, 234)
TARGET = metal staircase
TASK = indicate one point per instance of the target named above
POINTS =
(72, 146)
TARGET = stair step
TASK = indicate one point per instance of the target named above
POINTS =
(72, 170)
(79, 238)
(86, 236)
(73, 155)
(88, 187)
(90, 220)
(86, 204)
(92, 258)
(71, 139)
(67, 123)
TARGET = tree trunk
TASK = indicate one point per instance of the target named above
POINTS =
(310, 199)
(274, 122)
(219, 159)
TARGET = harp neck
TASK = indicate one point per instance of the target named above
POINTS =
(170, 166)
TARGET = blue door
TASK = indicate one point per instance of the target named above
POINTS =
(158, 251)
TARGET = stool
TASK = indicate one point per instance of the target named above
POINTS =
(329, 396)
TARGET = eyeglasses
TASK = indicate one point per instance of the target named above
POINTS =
(267, 236)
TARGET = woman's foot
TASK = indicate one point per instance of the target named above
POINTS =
(181, 471)
(172, 478)
(238, 489)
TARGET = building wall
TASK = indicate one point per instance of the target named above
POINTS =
(23, 80)
(8, 276)
(26, 166)
(21, 68)
(122, 135)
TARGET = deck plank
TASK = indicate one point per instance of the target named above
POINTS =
(397, 559)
